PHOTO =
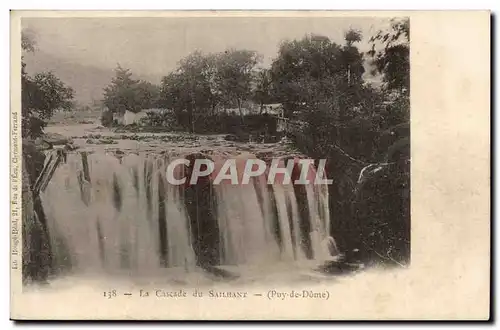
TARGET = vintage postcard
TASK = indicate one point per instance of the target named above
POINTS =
(250, 165)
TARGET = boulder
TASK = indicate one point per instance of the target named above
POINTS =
(231, 137)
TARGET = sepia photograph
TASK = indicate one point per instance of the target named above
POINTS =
(215, 158)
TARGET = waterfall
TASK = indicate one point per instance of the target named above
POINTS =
(113, 213)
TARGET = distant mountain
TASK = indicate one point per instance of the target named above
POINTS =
(87, 81)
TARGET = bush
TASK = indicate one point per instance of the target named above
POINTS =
(107, 118)
(221, 123)
(161, 119)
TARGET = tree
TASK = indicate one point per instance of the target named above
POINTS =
(147, 94)
(393, 60)
(315, 74)
(306, 72)
(233, 75)
(122, 93)
(188, 89)
(351, 87)
(174, 94)
(352, 36)
(391, 57)
(126, 93)
(263, 91)
(28, 42)
(41, 95)
(194, 74)
(351, 57)
(202, 82)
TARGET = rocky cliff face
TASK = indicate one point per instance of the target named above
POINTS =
(36, 245)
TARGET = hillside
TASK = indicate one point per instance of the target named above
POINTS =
(87, 81)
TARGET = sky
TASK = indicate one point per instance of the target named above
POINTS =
(154, 46)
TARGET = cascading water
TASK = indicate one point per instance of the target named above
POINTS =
(112, 213)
